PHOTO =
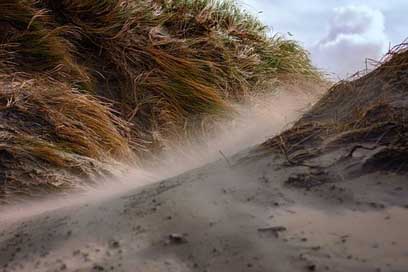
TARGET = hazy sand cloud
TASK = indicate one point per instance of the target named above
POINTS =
(356, 33)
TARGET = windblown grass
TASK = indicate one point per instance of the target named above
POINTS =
(50, 135)
(170, 64)
(32, 46)
(105, 76)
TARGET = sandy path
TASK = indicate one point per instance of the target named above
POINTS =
(218, 219)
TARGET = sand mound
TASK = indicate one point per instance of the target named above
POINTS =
(359, 126)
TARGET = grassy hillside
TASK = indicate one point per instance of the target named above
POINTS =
(84, 83)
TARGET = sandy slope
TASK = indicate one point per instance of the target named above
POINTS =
(219, 219)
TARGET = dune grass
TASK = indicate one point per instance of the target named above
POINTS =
(53, 137)
(115, 75)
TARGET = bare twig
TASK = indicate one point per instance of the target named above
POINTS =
(225, 158)
(355, 148)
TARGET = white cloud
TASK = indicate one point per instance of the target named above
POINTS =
(347, 35)
(356, 33)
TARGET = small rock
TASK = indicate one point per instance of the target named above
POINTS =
(275, 230)
(375, 245)
(377, 205)
(311, 267)
(176, 238)
(98, 267)
(114, 244)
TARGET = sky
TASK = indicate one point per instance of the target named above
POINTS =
(339, 34)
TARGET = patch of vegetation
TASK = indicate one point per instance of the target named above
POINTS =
(117, 80)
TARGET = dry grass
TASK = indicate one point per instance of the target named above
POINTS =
(29, 46)
(89, 81)
(169, 65)
(48, 126)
